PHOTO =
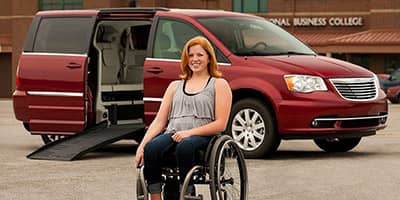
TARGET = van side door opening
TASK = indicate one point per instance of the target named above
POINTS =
(121, 47)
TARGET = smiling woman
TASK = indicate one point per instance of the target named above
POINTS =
(193, 109)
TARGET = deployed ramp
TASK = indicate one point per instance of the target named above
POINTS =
(73, 147)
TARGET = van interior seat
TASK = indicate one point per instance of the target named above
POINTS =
(133, 68)
(110, 57)
(165, 48)
(132, 58)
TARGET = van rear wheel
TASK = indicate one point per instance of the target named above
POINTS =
(51, 138)
(252, 127)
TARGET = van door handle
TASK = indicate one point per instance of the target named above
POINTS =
(155, 70)
(73, 65)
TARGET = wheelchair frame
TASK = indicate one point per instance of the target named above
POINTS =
(222, 152)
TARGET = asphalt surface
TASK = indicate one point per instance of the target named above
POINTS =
(299, 170)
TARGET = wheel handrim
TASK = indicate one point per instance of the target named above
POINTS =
(229, 174)
(248, 129)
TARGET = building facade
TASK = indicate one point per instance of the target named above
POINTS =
(365, 32)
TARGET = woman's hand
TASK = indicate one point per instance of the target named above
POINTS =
(180, 135)
(139, 155)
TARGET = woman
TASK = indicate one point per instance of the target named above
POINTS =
(193, 109)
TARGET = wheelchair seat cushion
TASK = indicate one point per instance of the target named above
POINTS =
(169, 159)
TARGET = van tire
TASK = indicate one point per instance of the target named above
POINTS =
(337, 144)
(51, 138)
(249, 118)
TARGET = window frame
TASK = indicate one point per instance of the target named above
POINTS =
(240, 6)
(221, 58)
(89, 35)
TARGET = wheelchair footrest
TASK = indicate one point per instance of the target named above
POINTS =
(198, 197)
(141, 197)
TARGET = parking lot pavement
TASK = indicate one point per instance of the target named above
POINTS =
(299, 170)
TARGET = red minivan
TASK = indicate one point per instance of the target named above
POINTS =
(82, 68)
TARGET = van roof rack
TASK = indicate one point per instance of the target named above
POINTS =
(129, 10)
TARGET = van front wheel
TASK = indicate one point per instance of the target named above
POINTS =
(252, 126)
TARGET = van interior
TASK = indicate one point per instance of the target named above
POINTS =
(116, 80)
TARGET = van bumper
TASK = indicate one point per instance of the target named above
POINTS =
(323, 119)
(20, 105)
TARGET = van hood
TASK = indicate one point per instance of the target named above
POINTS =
(322, 66)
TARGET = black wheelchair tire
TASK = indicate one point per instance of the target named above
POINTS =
(215, 166)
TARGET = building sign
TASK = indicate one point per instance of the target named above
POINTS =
(318, 21)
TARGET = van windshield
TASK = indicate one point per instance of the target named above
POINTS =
(251, 36)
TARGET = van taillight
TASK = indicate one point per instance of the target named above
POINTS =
(17, 81)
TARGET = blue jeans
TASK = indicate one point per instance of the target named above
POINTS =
(185, 152)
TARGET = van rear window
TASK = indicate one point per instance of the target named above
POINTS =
(64, 35)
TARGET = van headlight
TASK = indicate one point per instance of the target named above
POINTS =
(304, 83)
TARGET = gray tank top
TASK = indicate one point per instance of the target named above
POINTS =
(192, 110)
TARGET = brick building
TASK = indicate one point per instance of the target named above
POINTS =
(365, 32)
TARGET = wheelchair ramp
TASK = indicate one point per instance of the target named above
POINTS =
(73, 147)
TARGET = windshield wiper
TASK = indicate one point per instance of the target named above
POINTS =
(257, 53)
(292, 53)
(252, 53)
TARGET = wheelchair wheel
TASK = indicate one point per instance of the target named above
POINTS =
(227, 171)
(192, 175)
(141, 190)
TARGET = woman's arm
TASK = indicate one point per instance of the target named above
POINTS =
(223, 102)
(159, 122)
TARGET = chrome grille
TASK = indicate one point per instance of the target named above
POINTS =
(356, 89)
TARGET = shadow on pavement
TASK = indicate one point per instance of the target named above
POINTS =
(312, 155)
(112, 150)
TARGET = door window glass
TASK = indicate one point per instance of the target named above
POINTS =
(172, 35)
(64, 35)
(170, 38)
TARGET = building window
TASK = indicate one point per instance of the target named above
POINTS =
(392, 63)
(358, 59)
(60, 4)
(250, 6)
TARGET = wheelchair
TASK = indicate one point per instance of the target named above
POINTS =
(221, 166)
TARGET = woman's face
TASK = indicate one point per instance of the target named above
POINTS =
(198, 59)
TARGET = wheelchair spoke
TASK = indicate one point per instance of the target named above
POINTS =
(229, 177)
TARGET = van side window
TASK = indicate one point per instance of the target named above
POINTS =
(64, 35)
(170, 38)
(172, 35)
